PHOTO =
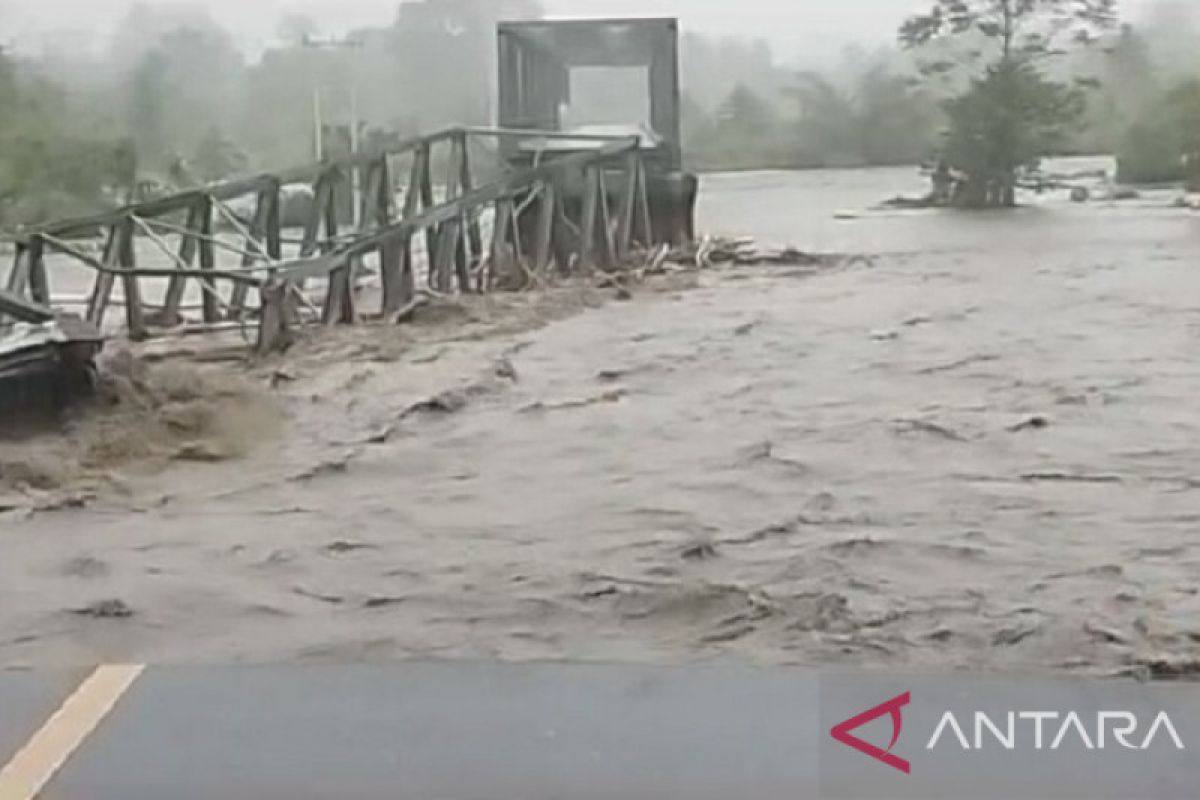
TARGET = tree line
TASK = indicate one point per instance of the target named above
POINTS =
(988, 86)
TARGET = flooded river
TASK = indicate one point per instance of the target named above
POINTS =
(977, 449)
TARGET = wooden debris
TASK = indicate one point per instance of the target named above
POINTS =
(105, 609)
(1069, 477)
(923, 426)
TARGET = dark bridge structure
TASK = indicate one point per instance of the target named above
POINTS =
(435, 217)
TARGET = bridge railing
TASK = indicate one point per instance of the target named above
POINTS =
(577, 211)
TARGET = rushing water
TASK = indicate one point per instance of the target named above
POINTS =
(979, 450)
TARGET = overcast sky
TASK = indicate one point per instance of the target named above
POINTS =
(793, 27)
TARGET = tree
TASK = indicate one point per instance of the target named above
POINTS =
(216, 157)
(148, 104)
(1002, 126)
(744, 112)
(872, 117)
(1011, 113)
(1163, 143)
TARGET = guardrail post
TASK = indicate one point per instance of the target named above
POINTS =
(608, 248)
(500, 250)
(208, 260)
(18, 275)
(39, 283)
(547, 208)
(102, 288)
(322, 193)
(127, 258)
(420, 196)
(589, 218)
(339, 305)
(467, 184)
(447, 248)
(274, 331)
(265, 205)
(29, 271)
(625, 207)
(187, 256)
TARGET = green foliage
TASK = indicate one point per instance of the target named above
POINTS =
(47, 167)
(1003, 125)
(1013, 114)
(1163, 144)
(866, 114)
(876, 119)
(743, 132)
(1024, 30)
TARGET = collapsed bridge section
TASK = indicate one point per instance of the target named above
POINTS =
(602, 77)
(431, 216)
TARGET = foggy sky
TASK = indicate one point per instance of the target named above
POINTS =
(799, 30)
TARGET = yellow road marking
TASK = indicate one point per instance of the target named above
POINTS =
(80, 714)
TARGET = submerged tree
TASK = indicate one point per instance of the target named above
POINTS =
(1013, 112)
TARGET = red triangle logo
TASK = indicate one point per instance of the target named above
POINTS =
(842, 733)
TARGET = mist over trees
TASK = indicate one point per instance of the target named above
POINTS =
(860, 112)
(173, 100)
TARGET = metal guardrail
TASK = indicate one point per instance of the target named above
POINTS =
(580, 210)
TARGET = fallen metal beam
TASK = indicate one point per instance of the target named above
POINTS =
(44, 366)
(22, 309)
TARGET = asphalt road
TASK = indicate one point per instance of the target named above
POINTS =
(438, 731)
(470, 731)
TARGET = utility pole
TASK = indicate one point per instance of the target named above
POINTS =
(354, 46)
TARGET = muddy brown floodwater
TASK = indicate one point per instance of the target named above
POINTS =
(981, 450)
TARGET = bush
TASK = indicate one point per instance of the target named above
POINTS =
(1150, 152)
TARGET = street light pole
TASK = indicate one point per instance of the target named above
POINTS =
(318, 123)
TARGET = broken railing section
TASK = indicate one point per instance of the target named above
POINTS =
(570, 211)
(575, 213)
(46, 359)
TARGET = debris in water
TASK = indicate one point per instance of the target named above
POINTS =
(1012, 636)
(962, 362)
(1066, 477)
(203, 452)
(615, 396)
(1108, 635)
(336, 466)
(611, 375)
(85, 567)
(702, 551)
(281, 376)
(505, 369)
(342, 547)
(382, 602)
(730, 635)
(1035, 423)
(105, 609)
(922, 426)
(1169, 667)
(331, 599)
(448, 402)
